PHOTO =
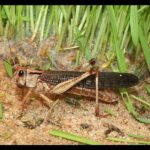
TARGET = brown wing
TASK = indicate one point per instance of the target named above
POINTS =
(107, 80)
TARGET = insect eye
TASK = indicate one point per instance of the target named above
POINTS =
(21, 73)
(93, 61)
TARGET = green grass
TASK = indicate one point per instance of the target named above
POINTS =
(1, 110)
(8, 68)
(148, 89)
(128, 141)
(73, 137)
(140, 139)
(136, 136)
(111, 112)
(134, 24)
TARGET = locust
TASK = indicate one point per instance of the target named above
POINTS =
(93, 83)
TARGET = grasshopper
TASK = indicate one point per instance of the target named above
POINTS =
(74, 82)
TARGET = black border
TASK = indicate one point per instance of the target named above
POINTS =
(71, 147)
(75, 2)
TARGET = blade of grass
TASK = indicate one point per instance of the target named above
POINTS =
(90, 22)
(31, 18)
(8, 69)
(1, 22)
(142, 8)
(145, 48)
(122, 14)
(131, 108)
(78, 58)
(56, 19)
(27, 11)
(20, 30)
(82, 44)
(70, 38)
(64, 11)
(111, 112)
(136, 136)
(95, 18)
(127, 140)
(64, 28)
(60, 23)
(123, 30)
(7, 11)
(134, 24)
(73, 137)
(119, 52)
(140, 100)
(142, 120)
(77, 14)
(43, 22)
(1, 110)
(82, 22)
(100, 36)
(124, 42)
(128, 102)
(37, 23)
(148, 89)
(50, 22)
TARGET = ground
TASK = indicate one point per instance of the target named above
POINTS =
(77, 119)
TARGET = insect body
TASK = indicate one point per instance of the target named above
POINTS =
(46, 81)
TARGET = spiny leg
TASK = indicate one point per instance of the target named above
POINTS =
(97, 110)
(50, 112)
(25, 98)
(46, 100)
(51, 105)
(96, 104)
(95, 70)
(24, 101)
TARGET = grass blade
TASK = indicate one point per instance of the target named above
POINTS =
(43, 23)
(148, 89)
(73, 137)
(37, 23)
(145, 48)
(64, 29)
(134, 24)
(50, 22)
(8, 69)
(131, 108)
(111, 112)
(128, 102)
(140, 100)
(143, 120)
(1, 111)
(31, 10)
(100, 37)
(81, 40)
(119, 52)
(136, 136)
(127, 140)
